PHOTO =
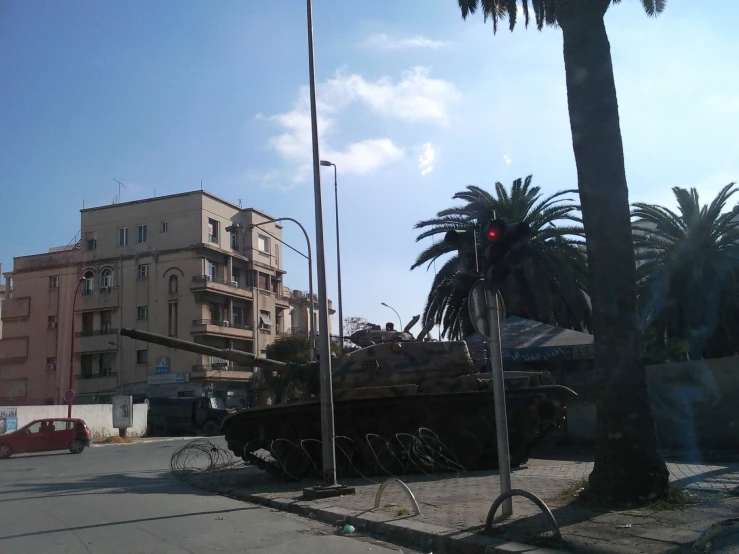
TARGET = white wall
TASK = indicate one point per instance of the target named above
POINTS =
(99, 417)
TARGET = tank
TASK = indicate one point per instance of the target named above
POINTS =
(394, 392)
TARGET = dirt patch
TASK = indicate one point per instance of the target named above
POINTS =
(115, 440)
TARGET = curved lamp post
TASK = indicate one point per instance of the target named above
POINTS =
(338, 255)
(396, 313)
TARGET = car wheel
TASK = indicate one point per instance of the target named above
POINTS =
(76, 447)
(6, 451)
(211, 428)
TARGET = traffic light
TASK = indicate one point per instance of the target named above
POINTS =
(464, 242)
(503, 240)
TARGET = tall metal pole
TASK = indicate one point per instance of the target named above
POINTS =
(501, 423)
(338, 263)
(71, 346)
(327, 406)
(311, 326)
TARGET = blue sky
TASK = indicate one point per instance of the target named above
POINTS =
(415, 104)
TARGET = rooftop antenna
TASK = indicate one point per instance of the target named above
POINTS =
(240, 206)
(201, 184)
(119, 189)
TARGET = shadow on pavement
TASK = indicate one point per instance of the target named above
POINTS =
(125, 522)
(104, 483)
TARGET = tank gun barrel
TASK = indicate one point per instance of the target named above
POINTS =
(245, 358)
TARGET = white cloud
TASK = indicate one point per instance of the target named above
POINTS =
(426, 160)
(415, 98)
(386, 42)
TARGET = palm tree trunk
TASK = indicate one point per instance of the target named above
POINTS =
(628, 462)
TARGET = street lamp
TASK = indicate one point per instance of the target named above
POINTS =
(338, 254)
(309, 257)
(71, 348)
(396, 313)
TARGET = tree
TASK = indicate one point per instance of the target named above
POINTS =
(289, 349)
(551, 286)
(628, 462)
(688, 276)
(353, 324)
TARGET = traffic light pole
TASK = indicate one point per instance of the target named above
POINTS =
(501, 421)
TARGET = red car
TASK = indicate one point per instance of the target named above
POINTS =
(45, 435)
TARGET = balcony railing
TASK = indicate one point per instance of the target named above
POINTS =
(219, 367)
(97, 332)
(222, 323)
(97, 375)
(207, 278)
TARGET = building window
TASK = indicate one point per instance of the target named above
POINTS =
(173, 319)
(92, 244)
(262, 283)
(123, 236)
(86, 363)
(105, 364)
(173, 284)
(238, 316)
(106, 279)
(212, 231)
(163, 227)
(213, 270)
(87, 323)
(50, 364)
(142, 233)
(142, 356)
(235, 274)
(142, 313)
(53, 321)
(263, 243)
(54, 282)
(144, 271)
(89, 284)
(106, 321)
(265, 322)
(234, 242)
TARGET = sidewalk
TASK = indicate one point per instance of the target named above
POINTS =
(454, 509)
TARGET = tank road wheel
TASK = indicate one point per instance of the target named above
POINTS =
(466, 449)
(291, 457)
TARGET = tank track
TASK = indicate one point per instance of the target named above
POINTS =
(463, 422)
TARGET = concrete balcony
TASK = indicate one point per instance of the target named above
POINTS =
(201, 283)
(221, 329)
(96, 341)
(95, 383)
(98, 298)
(16, 308)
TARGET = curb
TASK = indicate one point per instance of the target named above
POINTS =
(427, 536)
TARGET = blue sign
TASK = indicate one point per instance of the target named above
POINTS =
(163, 364)
(8, 420)
(181, 378)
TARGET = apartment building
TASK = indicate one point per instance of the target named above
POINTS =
(300, 311)
(37, 327)
(188, 266)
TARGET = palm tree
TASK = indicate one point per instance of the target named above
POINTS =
(688, 275)
(549, 288)
(630, 466)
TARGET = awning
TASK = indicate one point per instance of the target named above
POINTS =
(265, 319)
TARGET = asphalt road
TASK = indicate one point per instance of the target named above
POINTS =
(121, 499)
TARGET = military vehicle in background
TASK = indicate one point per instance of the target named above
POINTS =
(392, 387)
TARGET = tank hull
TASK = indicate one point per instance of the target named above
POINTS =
(394, 435)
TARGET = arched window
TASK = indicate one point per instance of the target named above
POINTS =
(89, 284)
(106, 278)
(173, 284)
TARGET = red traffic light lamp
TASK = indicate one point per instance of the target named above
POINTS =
(495, 231)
